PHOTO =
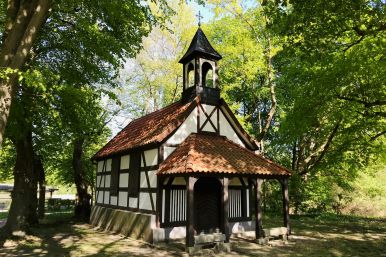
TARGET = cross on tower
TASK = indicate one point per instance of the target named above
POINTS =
(199, 16)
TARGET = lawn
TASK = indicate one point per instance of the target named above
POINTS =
(326, 235)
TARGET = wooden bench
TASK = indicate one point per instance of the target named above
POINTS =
(280, 232)
(214, 239)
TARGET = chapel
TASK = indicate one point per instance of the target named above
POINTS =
(187, 171)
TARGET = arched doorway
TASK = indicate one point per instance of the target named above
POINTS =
(207, 205)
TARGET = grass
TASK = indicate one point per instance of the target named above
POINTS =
(313, 235)
(3, 215)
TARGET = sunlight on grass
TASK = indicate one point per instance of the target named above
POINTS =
(323, 235)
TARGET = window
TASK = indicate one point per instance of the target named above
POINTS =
(207, 75)
(190, 75)
(115, 175)
(134, 173)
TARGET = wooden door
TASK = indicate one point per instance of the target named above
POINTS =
(207, 205)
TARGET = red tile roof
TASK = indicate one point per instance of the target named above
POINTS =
(210, 153)
(152, 128)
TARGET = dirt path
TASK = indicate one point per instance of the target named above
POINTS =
(310, 238)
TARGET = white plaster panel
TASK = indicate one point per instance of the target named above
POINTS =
(133, 202)
(103, 181)
(144, 201)
(125, 162)
(168, 150)
(242, 227)
(187, 127)
(208, 127)
(227, 130)
(100, 197)
(142, 181)
(179, 181)
(98, 182)
(208, 109)
(151, 157)
(108, 165)
(177, 232)
(113, 200)
(107, 182)
(122, 197)
(107, 197)
(235, 182)
(154, 199)
(152, 178)
(124, 180)
(100, 166)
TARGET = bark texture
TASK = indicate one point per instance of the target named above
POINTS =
(24, 20)
(83, 204)
(22, 212)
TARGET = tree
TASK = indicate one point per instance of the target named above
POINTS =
(106, 33)
(332, 88)
(153, 79)
(251, 83)
(84, 122)
(22, 22)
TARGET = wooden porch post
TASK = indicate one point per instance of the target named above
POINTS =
(159, 201)
(190, 212)
(225, 203)
(258, 213)
(284, 190)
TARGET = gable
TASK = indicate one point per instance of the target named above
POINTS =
(174, 124)
(209, 118)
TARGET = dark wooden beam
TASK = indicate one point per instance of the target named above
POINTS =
(258, 212)
(225, 205)
(159, 201)
(190, 212)
(284, 190)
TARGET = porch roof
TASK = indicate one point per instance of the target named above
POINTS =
(210, 153)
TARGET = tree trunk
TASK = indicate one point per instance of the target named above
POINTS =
(23, 21)
(83, 205)
(22, 213)
(39, 170)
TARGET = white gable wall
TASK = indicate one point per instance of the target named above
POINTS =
(227, 130)
(190, 126)
(187, 127)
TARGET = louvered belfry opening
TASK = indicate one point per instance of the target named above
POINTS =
(207, 205)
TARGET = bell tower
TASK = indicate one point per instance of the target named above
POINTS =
(200, 72)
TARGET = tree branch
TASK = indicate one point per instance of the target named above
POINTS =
(365, 103)
(378, 135)
(319, 153)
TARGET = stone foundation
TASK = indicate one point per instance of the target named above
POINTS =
(131, 224)
(142, 226)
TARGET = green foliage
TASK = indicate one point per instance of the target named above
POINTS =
(57, 204)
(246, 74)
(7, 161)
(154, 79)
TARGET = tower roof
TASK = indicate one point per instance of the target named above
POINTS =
(200, 45)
